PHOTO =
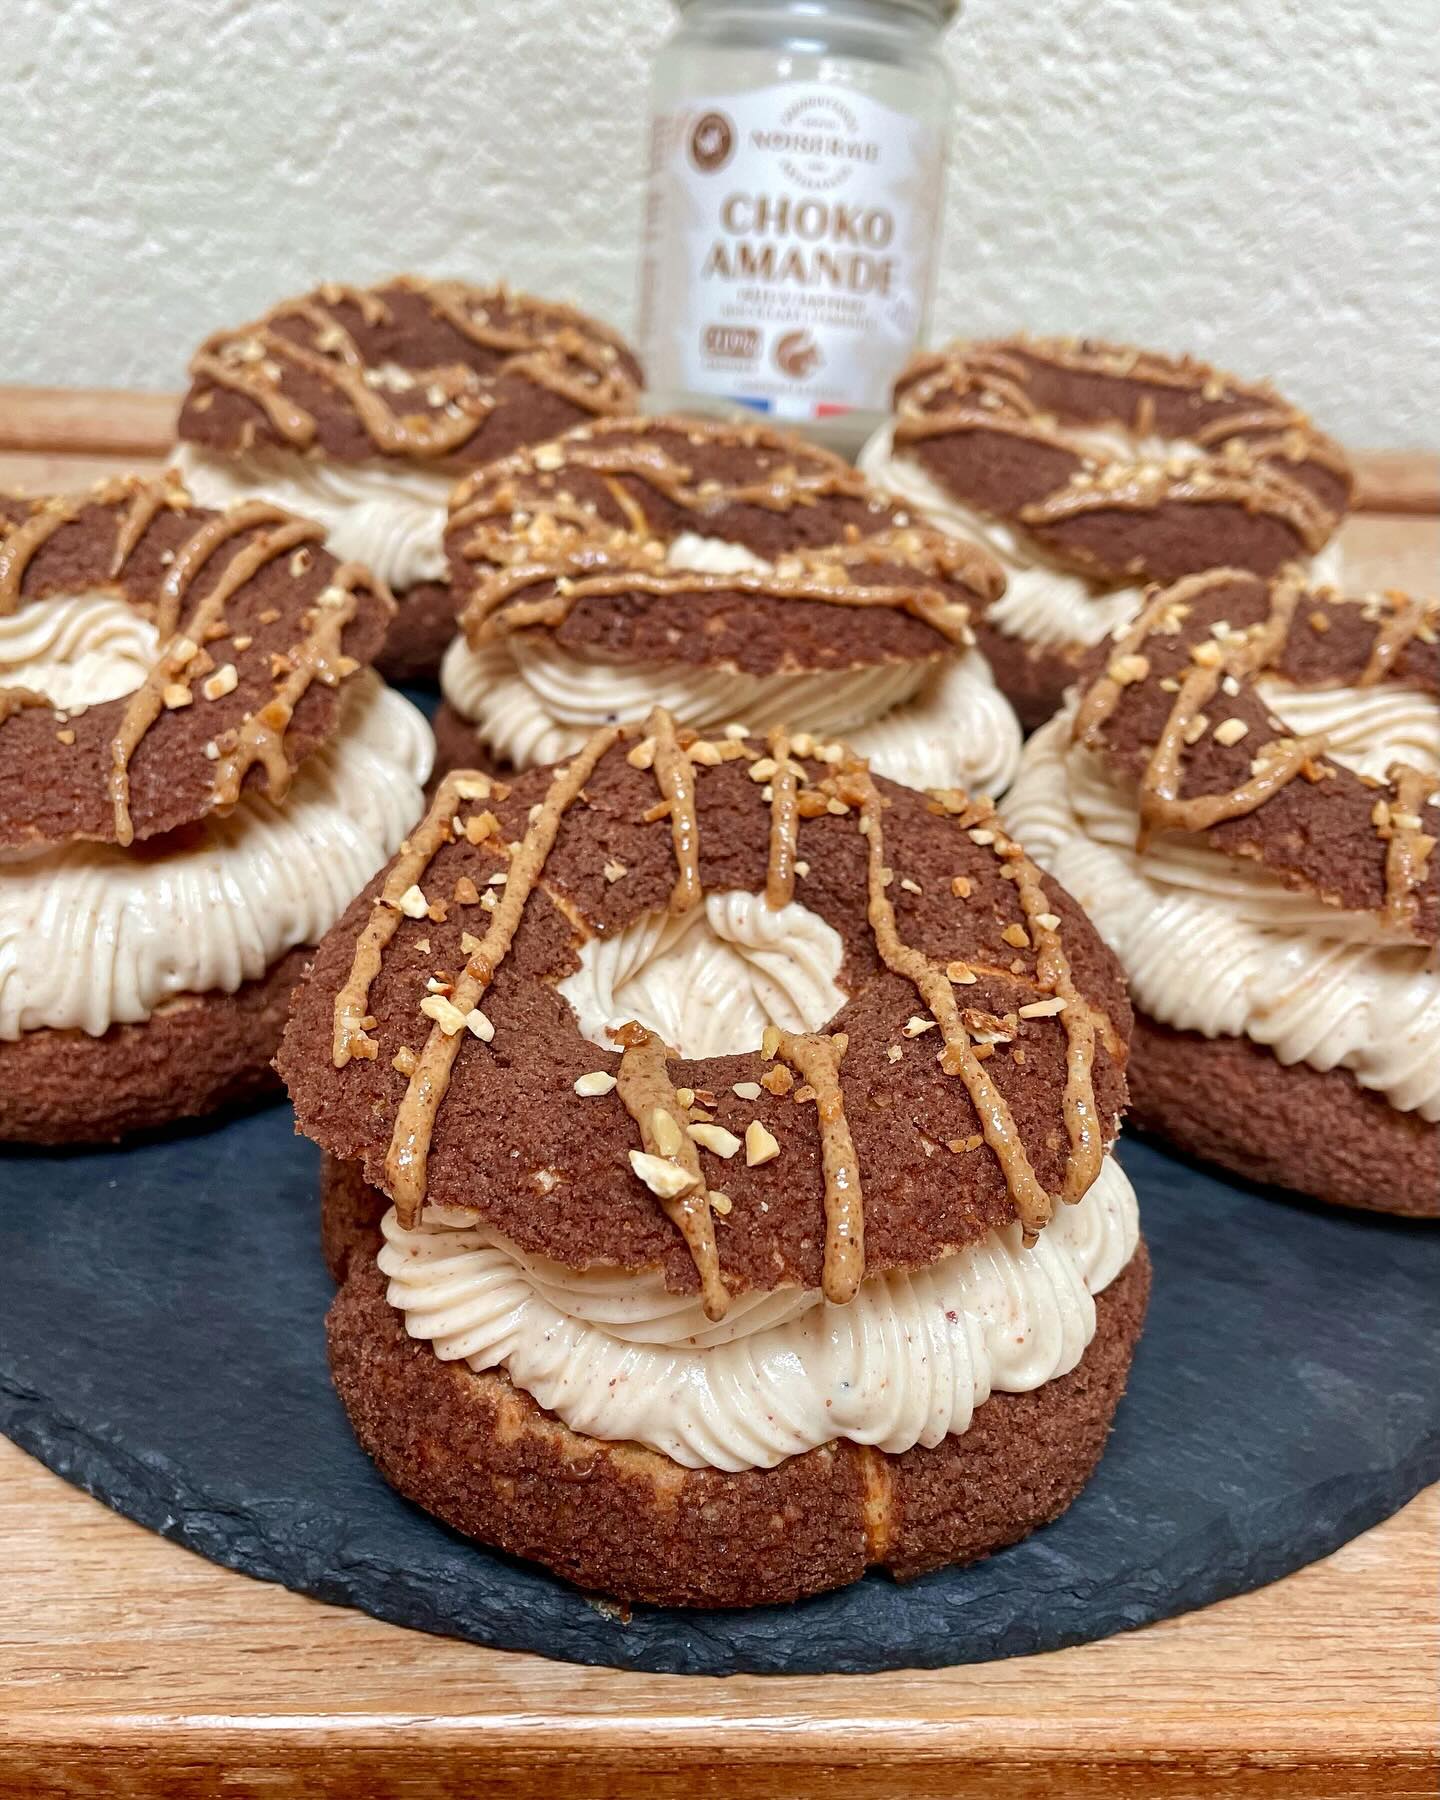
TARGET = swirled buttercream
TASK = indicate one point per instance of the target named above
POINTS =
(906, 1362)
(76, 650)
(93, 935)
(1043, 602)
(386, 513)
(1215, 945)
(710, 980)
(930, 723)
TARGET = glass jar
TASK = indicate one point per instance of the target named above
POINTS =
(793, 211)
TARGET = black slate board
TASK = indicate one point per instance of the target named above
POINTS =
(161, 1347)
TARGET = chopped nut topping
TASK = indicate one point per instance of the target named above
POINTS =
(1048, 921)
(413, 903)
(176, 694)
(1230, 731)
(665, 1179)
(979, 835)
(761, 1145)
(478, 1025)
(961, 974)
(1043, 1009)
(894, 1053)
(1197, 728)
(763, 768)
(1126, 670)
(643, 755)
(665, 1132)
(716, 1138)
(405, 1061)
(721, 1203)
(746, 1090)
(473, 787)
(960, 887)
(1016, 936)
(598, 1081)
(777, 1080)
(222, 682)
(448, 1017)
(911, 887)
(916, 1024)
(614, 869)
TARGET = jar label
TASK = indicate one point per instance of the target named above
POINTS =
(790, 240)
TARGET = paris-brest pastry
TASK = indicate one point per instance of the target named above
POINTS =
(362, 406)
(734, 574)
(1243, 797)
(1093, 469)
(197, 773)
(718, 1169)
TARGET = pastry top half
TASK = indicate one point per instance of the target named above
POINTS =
(1179, 707)
(1120, 463)
(428, 371)
(970, 1072)
(687, 541)
(252, 630)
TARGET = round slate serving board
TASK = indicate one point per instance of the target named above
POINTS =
(161, 1346)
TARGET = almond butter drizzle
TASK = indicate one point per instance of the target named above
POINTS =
(405, 1162)
(197, 550)
(784, 823)
(318, 658)
(1408, 846)
(19, 699)
(352, 1002)
(19, 545)
(997, 1124)
(144, 706)
(146, 503)
(238, 360)
(1407, 620)
(645, 1087)
(675, 777)
(816, 1059)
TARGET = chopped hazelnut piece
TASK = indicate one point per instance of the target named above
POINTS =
(960, 887)
(222, 682)
(747, 1090)
(894, 1053)
(665, 1179)
(1043, 1009)
(176, 694)
(716, 1138)
(598, 1081)
(916, 1024)
(761, 1145)
(466, 892)
(1230, 731)
(721, 1203)
(413, 903)
(1016, 936)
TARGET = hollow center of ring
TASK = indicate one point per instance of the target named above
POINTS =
(76, 649)
(710, 981)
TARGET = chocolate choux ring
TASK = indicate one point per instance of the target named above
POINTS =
(1093, 469)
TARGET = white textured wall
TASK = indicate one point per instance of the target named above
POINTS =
(1255, 179)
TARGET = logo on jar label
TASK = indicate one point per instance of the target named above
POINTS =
(712, 142)
(797, 355)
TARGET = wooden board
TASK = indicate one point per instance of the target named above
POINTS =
(96, 425)
(128, 1666)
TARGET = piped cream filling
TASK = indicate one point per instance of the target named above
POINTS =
(931, 723)
(1043, 603)
(617, 1357)
(1218, 946)
(710, 980)
(92, 935)
(387, 513)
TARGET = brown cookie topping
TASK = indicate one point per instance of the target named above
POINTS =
(431, 370)
(431, 1045)
(1175, 705)
(572, 538)
(258, 628)
(1010, 428)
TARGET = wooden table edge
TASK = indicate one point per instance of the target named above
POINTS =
(125, 422)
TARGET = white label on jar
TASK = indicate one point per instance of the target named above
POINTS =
(790, 241)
